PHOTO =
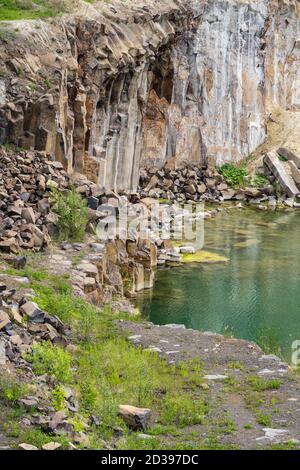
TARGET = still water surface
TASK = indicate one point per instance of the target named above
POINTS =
(255, 295)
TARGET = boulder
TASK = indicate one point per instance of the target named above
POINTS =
(190, 189)
(51, 446)
(289, 155)
(210, 183)
(278, 169)
(14, 315)
(252, 192)
(29, 215)
(136, 418)
(201, 188)
(295, 172)
(222, 187)
(4, 320)
(33, 312)
(228, 194)
(25, 446)
(56, 420)
(152, 183)
(187, 250)
(2, 352)
(89, 269)
(10, 245)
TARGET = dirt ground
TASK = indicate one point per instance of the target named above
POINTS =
(254, 398)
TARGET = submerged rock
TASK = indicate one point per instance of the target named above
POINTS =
(204, 257)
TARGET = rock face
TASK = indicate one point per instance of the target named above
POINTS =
(118, 87)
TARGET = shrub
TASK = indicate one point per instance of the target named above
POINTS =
(233, 174)
(58, 398)
(72, 213)
(183, 411)
(48, 359)
(259, 181)
(264, 420)
(10, 389)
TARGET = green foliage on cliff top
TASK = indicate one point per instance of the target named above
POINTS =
(28, 9)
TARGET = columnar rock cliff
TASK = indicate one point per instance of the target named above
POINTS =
(115, 87)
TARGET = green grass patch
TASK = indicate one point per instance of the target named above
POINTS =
(134, 442)
(248, 426)
(107, 370)
(11, 390)
(290, 445)
(37, 437)
(259, 385)
(264, 419)
(183, 410)
(236, 365)
(28, 10)
(226, 425)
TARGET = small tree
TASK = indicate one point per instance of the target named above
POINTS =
(72, 213)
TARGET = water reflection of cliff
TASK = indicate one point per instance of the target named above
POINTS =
(255, 295)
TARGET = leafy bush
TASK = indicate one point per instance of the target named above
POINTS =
(233, 174)
(58, 398)
(48, 359)
(72, 213)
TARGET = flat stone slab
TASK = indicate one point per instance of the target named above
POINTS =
(274, 435)
(215, 377)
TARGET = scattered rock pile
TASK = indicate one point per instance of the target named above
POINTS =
(192, 183)
(188, 183)
(22, 323)
(26, 220)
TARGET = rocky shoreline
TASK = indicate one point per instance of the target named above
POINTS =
(252, 397)
(108, 274)
(121, 263)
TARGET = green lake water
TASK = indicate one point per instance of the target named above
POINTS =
(255, 295)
